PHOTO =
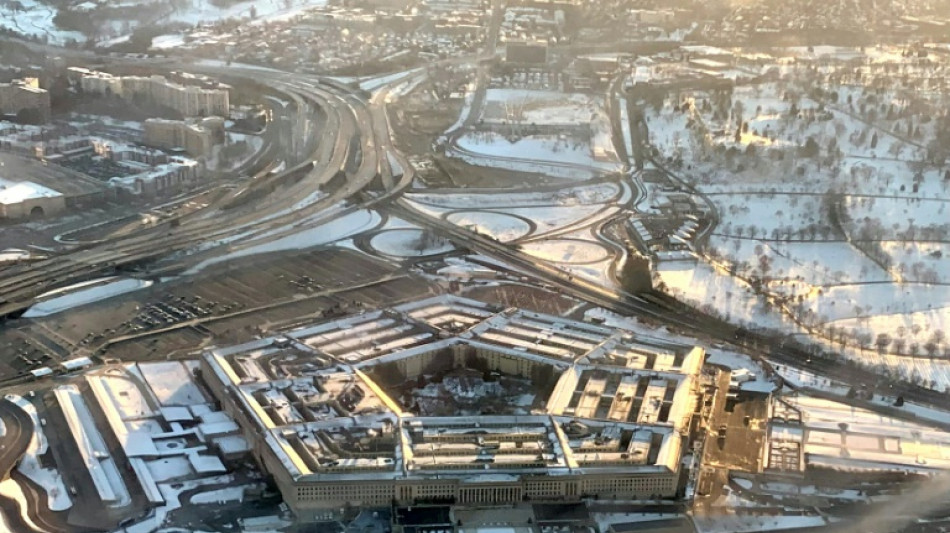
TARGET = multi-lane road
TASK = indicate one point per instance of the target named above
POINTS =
(344, 118)
(16, 435)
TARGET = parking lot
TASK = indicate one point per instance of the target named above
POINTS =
(233, 305)
(734, 439)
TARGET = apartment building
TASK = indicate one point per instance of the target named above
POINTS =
(196, 138)
(190, 95)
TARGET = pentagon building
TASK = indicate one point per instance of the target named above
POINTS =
(603, 413)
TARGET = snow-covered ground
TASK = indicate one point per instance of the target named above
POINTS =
(530, 153)
(795, 268)
(541, 108)
(775, 162)
(228, 494)
(568, 251)
(743, 523)
(34, 18)
(766, 215)
(409, 243)
(711, 289)
(921, 261)
(12, 490)
(335, 230)
(513, 215)
(565, 196)
(12, 255)
(82, 296)
(500, 226)
(202, 11)
(49, 479)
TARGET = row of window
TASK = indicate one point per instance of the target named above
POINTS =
(372, 493)
(533, 489)
(622, 484)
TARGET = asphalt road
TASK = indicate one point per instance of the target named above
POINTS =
(19, 431)
(20, 286)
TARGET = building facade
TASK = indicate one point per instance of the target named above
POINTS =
(201, 97)
(195, 137)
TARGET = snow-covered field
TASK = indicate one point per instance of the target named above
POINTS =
(571, 251)
(202, 11)
(512, 215)
(537, 107)
(922, 261)
(409, 243)
(563, 135)
(36, 18)
(33, 18)
(530, 153)
(503, 227)
(907, 332)
(707, 288)
(902, 218)
(565, 196)
(768, 215)
(338, 229)
(775, 159)
(797, 267)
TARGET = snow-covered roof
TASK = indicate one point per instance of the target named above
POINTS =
(218, 428)
(13, 192)
(40, 372)
(205, 464)
(76, 363)
(232, 444)
(176, 414)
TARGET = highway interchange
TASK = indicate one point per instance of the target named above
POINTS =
(319, 123)
(335, 144)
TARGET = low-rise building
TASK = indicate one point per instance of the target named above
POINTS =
(176, 175)
(26, 199)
